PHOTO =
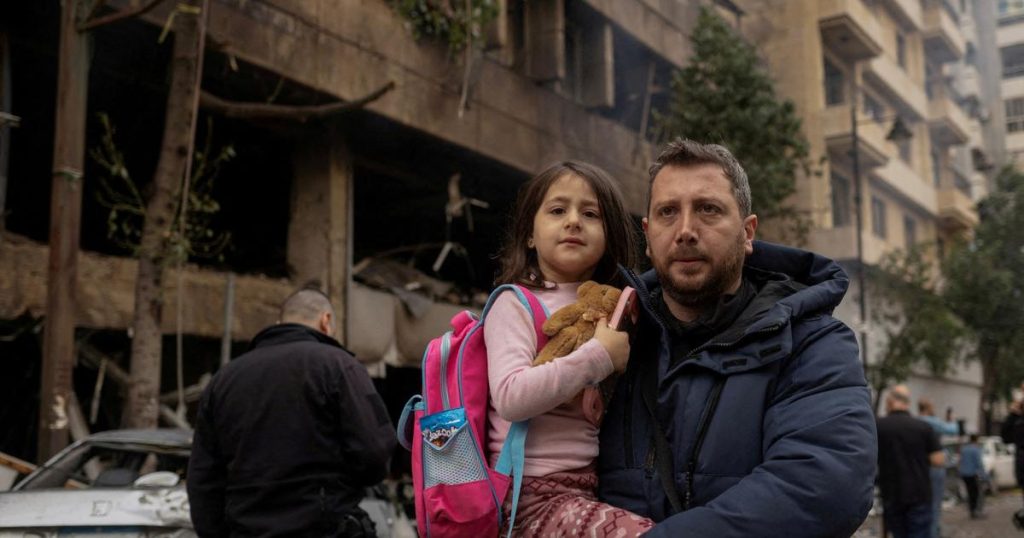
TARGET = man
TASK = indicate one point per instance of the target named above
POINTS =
(289, 434)
(1012, 431)
(926, 412)
(744, 409)
(907, 449)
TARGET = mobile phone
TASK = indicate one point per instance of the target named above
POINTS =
(626, 311)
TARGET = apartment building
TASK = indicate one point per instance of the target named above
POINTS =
(891, 95)
(1010, 37)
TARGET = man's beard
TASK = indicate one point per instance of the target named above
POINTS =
(719, 279)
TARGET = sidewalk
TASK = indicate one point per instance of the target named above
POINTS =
(956, 523)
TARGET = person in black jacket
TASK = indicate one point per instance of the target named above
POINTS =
(1013, 432)
(289, 434)
(907, 448)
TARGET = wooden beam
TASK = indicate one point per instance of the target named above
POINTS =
(299, 113)
(65, 217)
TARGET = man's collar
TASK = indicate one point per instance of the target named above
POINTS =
(712, 320)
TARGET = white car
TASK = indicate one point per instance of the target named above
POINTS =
(124, 483)
(998, 458)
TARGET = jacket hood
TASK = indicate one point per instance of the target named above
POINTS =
(816, 284)
(792, 284)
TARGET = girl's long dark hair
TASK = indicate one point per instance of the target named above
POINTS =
(518, 262)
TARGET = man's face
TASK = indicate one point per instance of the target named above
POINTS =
(696, 238)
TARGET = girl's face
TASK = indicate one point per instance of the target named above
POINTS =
(568, 231)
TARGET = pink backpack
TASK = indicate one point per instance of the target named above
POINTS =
(457, 491)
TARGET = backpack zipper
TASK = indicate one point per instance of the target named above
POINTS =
(446, 345)
(702, 430)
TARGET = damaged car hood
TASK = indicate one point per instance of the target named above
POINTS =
(149, 507)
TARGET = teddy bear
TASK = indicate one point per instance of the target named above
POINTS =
(572, 325)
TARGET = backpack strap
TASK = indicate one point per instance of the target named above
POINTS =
(538, 312)
(512, 459)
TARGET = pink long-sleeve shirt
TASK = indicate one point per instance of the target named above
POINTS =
(560, 436)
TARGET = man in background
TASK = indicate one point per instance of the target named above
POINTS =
(926, 412)
(908, 449)
(289, 434)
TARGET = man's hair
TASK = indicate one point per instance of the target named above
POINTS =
(900, 393)
(925, 407)
(686, 152)
(518, 262)
(305, 306)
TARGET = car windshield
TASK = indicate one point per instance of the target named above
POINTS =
(107, 465)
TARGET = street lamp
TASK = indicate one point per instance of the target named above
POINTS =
(898, 133)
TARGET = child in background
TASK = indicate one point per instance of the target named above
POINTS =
(972, 471)
(568, 226)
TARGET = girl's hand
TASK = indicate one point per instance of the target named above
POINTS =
(615, 342)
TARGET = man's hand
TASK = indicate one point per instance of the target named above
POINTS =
(615, 342)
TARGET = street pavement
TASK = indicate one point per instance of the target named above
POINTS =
(996, 523)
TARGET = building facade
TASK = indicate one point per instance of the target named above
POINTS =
(319, 201)
(1010, 37)
(897, 96)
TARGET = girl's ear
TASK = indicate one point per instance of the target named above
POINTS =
(529, 242)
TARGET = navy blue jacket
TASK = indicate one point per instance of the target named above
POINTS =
(769, 423)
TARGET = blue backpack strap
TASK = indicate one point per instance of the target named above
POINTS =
(511, 462)
(512, 458)
(405, 422)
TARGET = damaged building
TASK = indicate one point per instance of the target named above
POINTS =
(394, 208)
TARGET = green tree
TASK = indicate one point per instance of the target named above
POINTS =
(725, 96)
(985, 287)
(918, 327)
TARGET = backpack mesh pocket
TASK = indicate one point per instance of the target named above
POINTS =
(457, 462)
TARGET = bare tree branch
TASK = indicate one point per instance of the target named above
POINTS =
(92, 24)
(300, 113)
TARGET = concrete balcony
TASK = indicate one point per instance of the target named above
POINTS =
(872, 144)
(885, 74)
(948, 123)
(904, 182)
(956, 210)
(907, 11)
(849, 29)
(943, 41)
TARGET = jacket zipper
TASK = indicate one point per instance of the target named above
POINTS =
(702, 430)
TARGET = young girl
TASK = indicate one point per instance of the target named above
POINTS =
(568, 226)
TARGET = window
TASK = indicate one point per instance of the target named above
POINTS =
(1015, 115)
(901, 49)
(840, 200)
(909, 231)
(1010, 7)
(929, 81)
(1013, 61)
(834, 85)
(873, 108)
(878, 216)
(936, 168)
(905, 153)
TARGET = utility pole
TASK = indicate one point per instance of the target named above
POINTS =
(65, 218)
(858, 204)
